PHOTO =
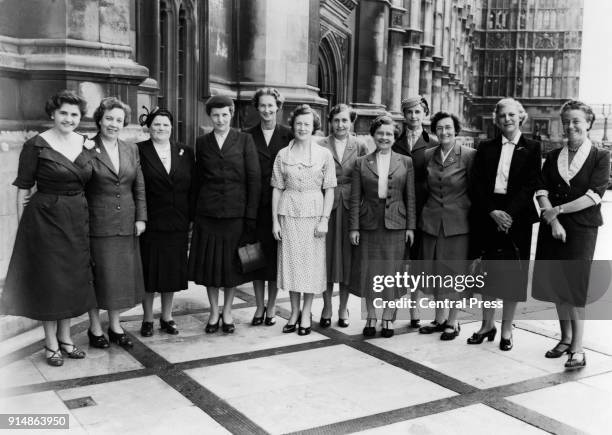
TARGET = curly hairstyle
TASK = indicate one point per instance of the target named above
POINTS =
(110, 103)
(384, 119)
(273, 92)
(338, 108)
(305, 109)
(509, 101)
(579, 105)
(441, 115)
(65, 97)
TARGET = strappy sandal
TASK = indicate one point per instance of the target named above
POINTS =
(574, 363)
(55, 360)
(557, 352)
(76, 352)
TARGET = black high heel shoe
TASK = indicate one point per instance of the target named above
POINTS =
(258, 320)
(505, 344)
(228, 328)
(432, 327)
(386, 332)
(269, 321)
(556, 351)
(447, 336)
(324, 322)
(415, 323)
(479, 338)
(344, 323)
(305, 331)
(168, 327)
(97, 341)
(289, 327)
(211, 328)
(146, 329)
(121, 339)
(368, 330)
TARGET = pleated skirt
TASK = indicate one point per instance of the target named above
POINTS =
(436, 249)
(164, 260)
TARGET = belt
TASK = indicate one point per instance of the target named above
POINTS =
(62, 192)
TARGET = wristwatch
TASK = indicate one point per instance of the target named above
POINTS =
(560, 208)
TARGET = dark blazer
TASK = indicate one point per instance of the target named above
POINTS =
(523, 178)
(418, 161)
(593, 175)
(354, 148)
(448, 203)
(228, 180)
(116, 200)
(400, 212)
(168, 194)
(267, 154)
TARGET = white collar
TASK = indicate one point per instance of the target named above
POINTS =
(514, 141)
(569, 171)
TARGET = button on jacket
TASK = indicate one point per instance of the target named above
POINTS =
(228, 180)
(168, 194)
(116, 200)
(400, 210)
(448, 202)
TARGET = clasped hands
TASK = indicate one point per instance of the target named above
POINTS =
(320, 229)
(354, 237)
(550, 217)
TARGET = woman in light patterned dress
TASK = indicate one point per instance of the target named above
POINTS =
(303, 179)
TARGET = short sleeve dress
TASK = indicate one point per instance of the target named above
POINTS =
(301, 255)
(49, 275)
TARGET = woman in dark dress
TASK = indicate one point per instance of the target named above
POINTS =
(49, 276)
(345, 149)
(382, 221)
(505, 176)
(269, 137)
(167, 169)
(117, 216)
(227, 190)
(574, 179)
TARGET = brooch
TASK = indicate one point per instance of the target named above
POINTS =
(98, 150)
(181, 152)
(89, 144)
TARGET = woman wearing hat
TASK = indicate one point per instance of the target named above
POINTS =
(227, 187)
(413, 142)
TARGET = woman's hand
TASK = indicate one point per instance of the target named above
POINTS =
(321, 228)
(502, 219)
(550, 214)
(140, 227)
(276, 230)
(558, 232)
(410, 236)
(354, 237)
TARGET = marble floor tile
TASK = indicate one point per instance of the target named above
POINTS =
(193, 343)
(131, 405)
(46, 402)
(311, 388)
(22, 372)
(586, 405)
(483, 365)
(474, 420)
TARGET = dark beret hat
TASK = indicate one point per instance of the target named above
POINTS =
(220, 101)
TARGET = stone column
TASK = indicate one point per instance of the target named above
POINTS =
(412, 53)
(427, 48)
(436, 98)
(396, 58)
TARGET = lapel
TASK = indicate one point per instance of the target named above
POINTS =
(453, 156)
(351, 148)
(493, 162)
(213, 145)
(371, 163)
(330, 144)
(420, 143)
(260, 140)
(278, 140)
(49, 153)
(102, 155)
(394, 163)
(514, 167)
(174, 160)
(125, 158)
(230, 141)
(149, 154)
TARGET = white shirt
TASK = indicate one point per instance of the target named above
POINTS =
(382, 162)
(221, 138)
(163, 151)
(413, 136)
(340, 146)
(267, 134)
(503, 167)
(445, 155)
(113, 153)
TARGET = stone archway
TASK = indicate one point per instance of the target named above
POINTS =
(332, 83)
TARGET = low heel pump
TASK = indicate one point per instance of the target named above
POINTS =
(97, 341)
(479, 338)
(292, 327)
(120, 339)
(305, 330)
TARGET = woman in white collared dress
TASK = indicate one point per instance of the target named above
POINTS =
(574, 179)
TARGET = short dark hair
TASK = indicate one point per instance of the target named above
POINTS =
(305, 109)
(219, 102)
(273, 92)
(65, 97)
(338, 108)
(148, 118)
(441, 115)
(383, 120)
(110, 103)
(579, 105)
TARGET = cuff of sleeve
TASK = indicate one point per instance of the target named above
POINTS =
(595, 197)
(21, 184)
(541, 192)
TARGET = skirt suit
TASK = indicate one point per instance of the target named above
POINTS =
(227, 189)
(338, 245)
(563, 270)
(445, 219)
(381, 222)
(163, 246)
(523, 179)
(301, 255)
(116, 200)
(263, 231)
(49, 275)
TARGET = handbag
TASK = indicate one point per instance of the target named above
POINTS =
(251, 257)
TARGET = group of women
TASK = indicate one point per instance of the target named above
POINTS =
(108, 224)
